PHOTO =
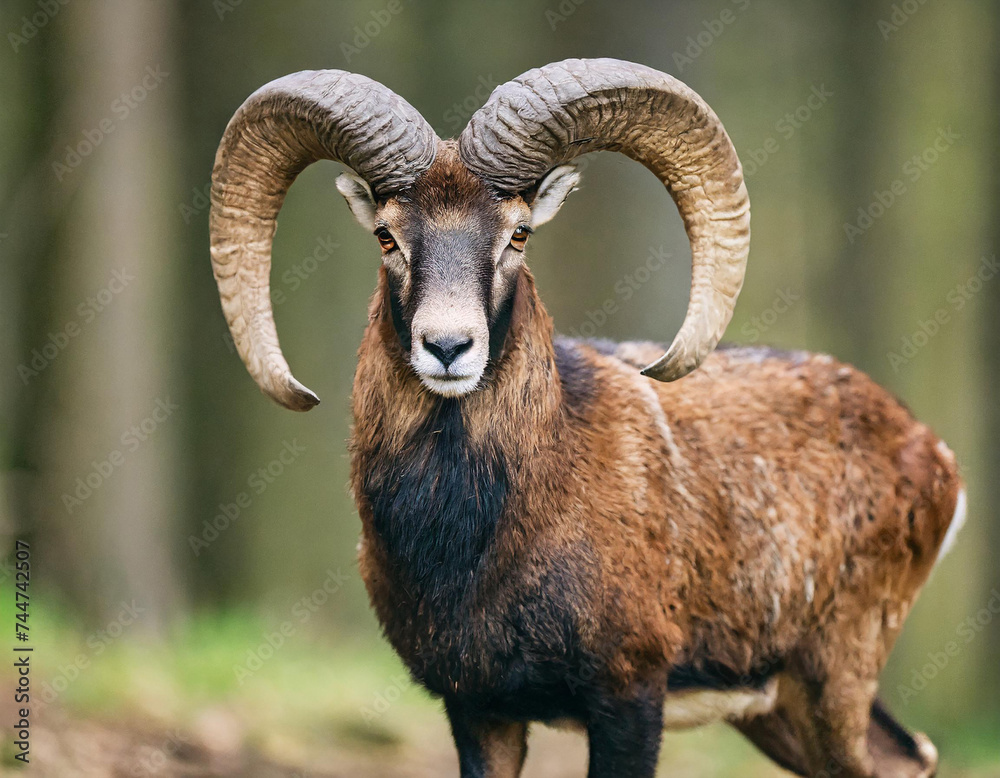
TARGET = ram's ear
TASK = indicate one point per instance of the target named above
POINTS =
(359, 198)
(552, 193)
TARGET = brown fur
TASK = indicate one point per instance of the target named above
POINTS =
(768, 513)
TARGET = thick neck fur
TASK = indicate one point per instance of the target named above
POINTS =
(434, 476)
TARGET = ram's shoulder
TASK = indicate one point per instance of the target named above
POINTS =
(636, 353)
(727, 356)
(744, 375)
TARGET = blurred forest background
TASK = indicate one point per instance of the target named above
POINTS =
(195, 598)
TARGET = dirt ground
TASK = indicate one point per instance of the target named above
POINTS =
(67, 747)
(64, 747)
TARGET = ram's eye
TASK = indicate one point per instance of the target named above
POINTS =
(520, 237)
(385, 239)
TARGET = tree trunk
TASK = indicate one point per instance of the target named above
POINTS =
(107, 498)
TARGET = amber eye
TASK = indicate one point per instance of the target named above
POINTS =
(385, 239)
(520, 237)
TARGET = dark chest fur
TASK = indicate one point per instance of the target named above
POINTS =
(435, 507)
(468, 616)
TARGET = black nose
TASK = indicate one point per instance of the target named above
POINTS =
(448, 347)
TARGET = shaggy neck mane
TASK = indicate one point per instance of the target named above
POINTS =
(436, 475)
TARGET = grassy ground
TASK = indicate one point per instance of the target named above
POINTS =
(219, 700)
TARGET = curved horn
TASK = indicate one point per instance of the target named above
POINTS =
(280, 130)
(550, 115)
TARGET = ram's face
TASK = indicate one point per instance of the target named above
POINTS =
(452, 249)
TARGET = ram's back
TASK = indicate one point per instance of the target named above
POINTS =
(792, 482)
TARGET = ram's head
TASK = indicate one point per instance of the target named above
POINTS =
(453, 217)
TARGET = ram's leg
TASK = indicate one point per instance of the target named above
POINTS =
(841, 718)
(488, 747)
(779, 738)
(624, 735)
(897, 752)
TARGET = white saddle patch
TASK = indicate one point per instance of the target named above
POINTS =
(697, 707)
(694, 708)
(957, 521)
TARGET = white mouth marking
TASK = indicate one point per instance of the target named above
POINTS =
(450, 386)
